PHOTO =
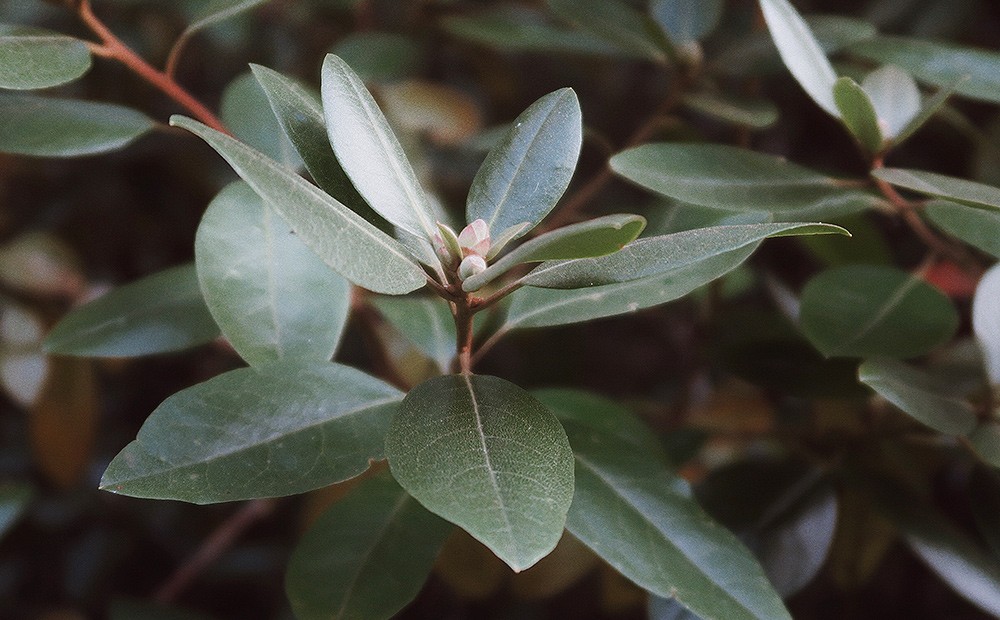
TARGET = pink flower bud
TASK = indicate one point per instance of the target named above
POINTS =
(475, 239)
(471, 265)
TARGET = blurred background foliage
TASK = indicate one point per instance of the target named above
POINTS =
(748, 410)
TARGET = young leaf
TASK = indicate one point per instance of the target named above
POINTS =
(941, 186)
(597, 237)
(895, 98)
(653, 256)
(269, 431)
(617, 23)
(425, 321)
(801, 52)
(867, 310)
(157, 314)
(858, 113)
(725, 177)
(35, 58)
(973, 225)
(357, 250)
(246, 112)
(272, 296)
(524, 176)
(517, 28)
(365, 557)
(49, 127)
(633, 512)
(940, 64)
(986, 320)
(920, 394)
(482, 453)
(686, 21)
(369, 152)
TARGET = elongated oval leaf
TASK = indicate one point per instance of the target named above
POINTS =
(49, 127)
(725, 177)
(928, 109)
(365, 557)
(270, 431)
(753, 113)
(942, 186)
(801, 52)
(370, 153)
(596, 237)
(920, 394)
(246, 112)
(344, 240)
(940, 64)
(517, 28)
(652, 256)
(858, 113)
(215, 11)
(524, 176)
(986, 320)
(633, 512)
(895, 97)
(271, 295)
(425, 321)
(482, 453)
(866, 310)
(614, 21)
(157, 314)
(35, 58)
(972, 225)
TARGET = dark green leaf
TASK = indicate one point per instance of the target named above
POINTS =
(273, 298)
(34, 58)
(482, 453)
(380, 55)
(357, 250)
(157, 314)
(425, 321)
(596, 237)
(366, 557)
(246, 112)
(524, 176)
(929, 398)
(519, 29)
(617, 23)
(13, 500)
(686, 21)
(975, 226)
(862, 311)
(940, 64)
(652, 256)
(257, 432)
(753, 113)
(941, 186)
(49, 127)
(858, 113)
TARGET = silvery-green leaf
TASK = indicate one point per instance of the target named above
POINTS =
(986, 320)
(35, 58)
(895, 97)
(942, 186)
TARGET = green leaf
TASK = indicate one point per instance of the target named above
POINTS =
(986, 320)
(380, 55)
(928, 109)
(269, 431)
(973, 225)
(801, 52)
(617, 23)
(597, 237)
(524, 176)
(160, 313)
(13, 500)
(867, 310)
(653, 256)
(273, 298)
(858, 113)
(633, 512)
(686, 21)
(246, 112)
(212, 12)
(357, 250)
(941, 186)
(482, 453)
(531, 307)
(518, 28)
(752, 113)
(370, 153)
(894, 97)
(365, 557)
(49, 127)
(425, 321)
(35, 58)
(725, 177)
(985, 438)
(940, 64)
(929, 398)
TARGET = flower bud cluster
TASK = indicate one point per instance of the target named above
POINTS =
(468, 249)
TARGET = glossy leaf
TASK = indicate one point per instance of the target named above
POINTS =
(517, 28)
(652, 256)
(941, 186)
(524, 176)
(350, 245)
(212, 12)
(895, 98)
(49, 127)
(532, 307)
(801, 52)
(858, 113)
(640, 518)
(725, 177)
(973, 225)
(753, 113)
(940, 64)
(370, 153)
(13, 501)
(424, 321)
(615, 22)
(986, 320)
(272, 297)
(35, 58)
(686, 21)
(366, 557)
(862, 311)
(380, 55)
(294, 427)
(482, 453)
(160, 313)
(246, 112)
(597, 237)
(928, 398)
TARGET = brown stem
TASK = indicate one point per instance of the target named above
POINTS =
(112, 47)
(463, 323)
(213, 547)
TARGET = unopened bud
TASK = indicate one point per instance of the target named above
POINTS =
(471, 265)
(446, 245)
(475, 239)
